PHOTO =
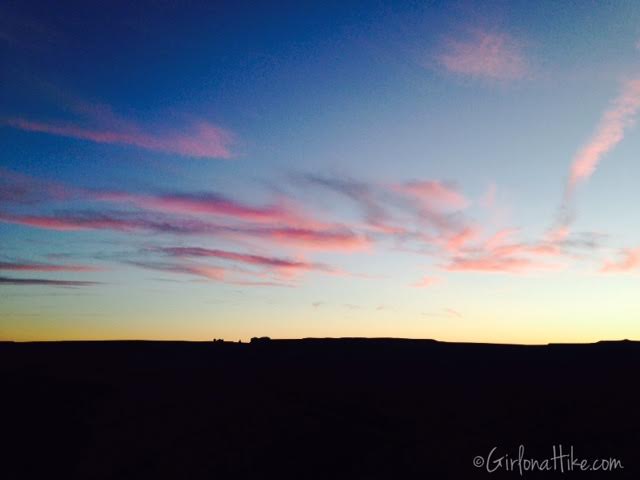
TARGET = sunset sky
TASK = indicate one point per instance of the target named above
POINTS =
(448, 170)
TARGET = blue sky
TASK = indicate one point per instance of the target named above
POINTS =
(426, 169)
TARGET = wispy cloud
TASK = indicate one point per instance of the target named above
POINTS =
(205, 203)
(493, 263)
(209, 273)
(200, 140)
(45, 282)
(455, 241)
(99, 123)
(613, 124)
(332, 237)
(611, 129)
(283, 221)
(365, 195)
(17, 188)
(351, 306)
(204, 271)
(629, 260)
(426, 282)
(445, 312)
(436, 204)
(400, 212)
(408, 211)
(285, 266)
(45, 267)
(502, 253)
(337, 238)
(434, 194)
(82, 221)
(484, 54)
(428, 217)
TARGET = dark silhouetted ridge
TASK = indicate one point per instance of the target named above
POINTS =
(314, 408)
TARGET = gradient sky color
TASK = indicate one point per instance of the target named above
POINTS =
(447, 170)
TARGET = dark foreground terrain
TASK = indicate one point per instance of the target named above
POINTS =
(349, 408)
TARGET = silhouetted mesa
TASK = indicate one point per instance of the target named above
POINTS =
(313, 408)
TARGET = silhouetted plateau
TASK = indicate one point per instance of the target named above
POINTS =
(312, 408)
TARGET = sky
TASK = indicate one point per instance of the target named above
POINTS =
(463, 171)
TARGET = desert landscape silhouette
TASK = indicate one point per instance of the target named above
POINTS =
(313, 408)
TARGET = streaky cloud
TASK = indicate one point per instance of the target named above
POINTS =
(334, 237)
(17, 188)
(44, 267)
(207, 272)
(611, 130)
(435, 194)
(76, 222)
(199, 140)
(278, 263)
(484, 54)
(20, 189)
(495, 263)
(204, 203)
(614, 123)
(204, 271)
(362, 193)
(629, 261)
(45, 282)
(501, 253)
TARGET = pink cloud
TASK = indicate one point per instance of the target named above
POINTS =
(206, 203)
(500, 238)
(210, 273)
(43, 267)
(71, 223)
(18, 188)
(426, 282)
(282, 265)
(200, 140)
(266, 283)
(338, 238)
(502, 253)
(331, 237)
(204, 271)
(459, 239)
(548, 249)
(281, 221)
(630, 260)
(558, 234)
(610, 132)
(47, 223)
(434, 194)
(390, 210)
(368, 197)
(489, 263)
(490, 55)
